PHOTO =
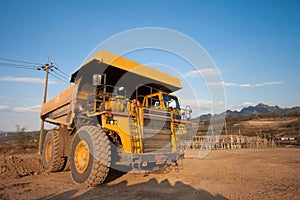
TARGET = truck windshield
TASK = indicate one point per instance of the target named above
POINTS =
(171, 102)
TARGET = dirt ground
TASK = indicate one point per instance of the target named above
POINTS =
(223, 174)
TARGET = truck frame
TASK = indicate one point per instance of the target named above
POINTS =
(117, 114)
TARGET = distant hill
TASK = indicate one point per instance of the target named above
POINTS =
(253, 120)
(260, 109)
(3, 132)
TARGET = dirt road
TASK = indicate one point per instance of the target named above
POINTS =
(228, 174)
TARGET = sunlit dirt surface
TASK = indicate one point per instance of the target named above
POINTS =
(223, 174)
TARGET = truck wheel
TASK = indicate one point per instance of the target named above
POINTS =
(90, 156)
(52, 160)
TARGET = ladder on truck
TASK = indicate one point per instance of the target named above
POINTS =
(135, 133)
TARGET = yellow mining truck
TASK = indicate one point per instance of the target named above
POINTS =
(117, 114)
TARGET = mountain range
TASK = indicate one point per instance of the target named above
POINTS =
(260, 109)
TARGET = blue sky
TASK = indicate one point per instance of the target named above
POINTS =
(254, 44)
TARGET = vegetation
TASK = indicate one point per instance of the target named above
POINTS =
(241, 124)
(22, 137)
(21, 140)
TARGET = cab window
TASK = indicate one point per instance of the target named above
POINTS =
(153, 102)
(171, 102)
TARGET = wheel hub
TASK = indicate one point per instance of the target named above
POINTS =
(48, 151)
(81, 156)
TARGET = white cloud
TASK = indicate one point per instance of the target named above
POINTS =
(30, 109)
(4, 108)
(204, 72)
(229, 84)
(204, 106)
(244, 85)
(25, 79)
(239, 107)
(245, 104)
(269, 83)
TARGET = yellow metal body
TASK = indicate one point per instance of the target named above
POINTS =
(58, 110)
(116, 112)
(121, 127)
(119, 122)
(133, 67)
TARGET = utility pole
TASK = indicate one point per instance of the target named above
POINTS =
(46, 68)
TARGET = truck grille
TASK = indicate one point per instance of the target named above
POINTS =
(157, 132)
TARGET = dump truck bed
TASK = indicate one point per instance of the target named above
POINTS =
(118, 70)
(116, 66)
(58, 109)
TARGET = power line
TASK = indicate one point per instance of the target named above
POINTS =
(67, 75)
(60, 70)
(20, 61)
(18, 64)
(59, 73)
(63, 72)
(11, 65)
(59, 78)
(32, 65)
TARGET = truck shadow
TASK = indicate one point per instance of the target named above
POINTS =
(151, 189)
(114, 174)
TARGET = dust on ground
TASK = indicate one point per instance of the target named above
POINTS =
(228, 174)
(264, 123)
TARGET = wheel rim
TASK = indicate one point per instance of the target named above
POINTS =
(48, 151)
(81, 156)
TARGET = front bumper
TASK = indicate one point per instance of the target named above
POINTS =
(157, 158)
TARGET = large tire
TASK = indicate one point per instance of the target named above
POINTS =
(52, 159)
(90, 156)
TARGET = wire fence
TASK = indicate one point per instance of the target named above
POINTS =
(231, 142)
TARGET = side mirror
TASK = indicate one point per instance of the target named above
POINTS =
(189, 109)
(97, 79)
